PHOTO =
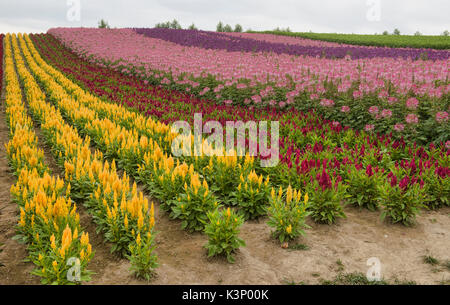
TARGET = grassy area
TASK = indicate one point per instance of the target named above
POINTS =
(358, 278)
(395, 41)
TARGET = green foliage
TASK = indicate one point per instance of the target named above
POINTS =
(355, 278)
(362, 189)
(326, 205)
(223, 174)
(401, 204)
(238, 28)
(143, 260)
(437, 190)
(287, 214)
(227, 28)
(192, 205)
(219, 27)
(396, 32)
(428, 259)
(222, 231)
(385, 40)
(174, 24)
(102, 24)
(192, 27)
(251, 196)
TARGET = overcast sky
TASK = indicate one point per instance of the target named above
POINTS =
(342, 16)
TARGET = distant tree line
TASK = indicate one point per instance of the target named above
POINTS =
(174, 24)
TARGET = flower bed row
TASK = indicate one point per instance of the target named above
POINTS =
(343, 90)
(49, 223)
(121, 212)
(314, 152)
(255, 42)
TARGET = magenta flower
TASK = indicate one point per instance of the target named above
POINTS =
(369, 171)
(393, 180)
(441, 116)
(412, 103)
(412, 118)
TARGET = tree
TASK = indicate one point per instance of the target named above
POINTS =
(238, 28)
(445, 33)
(417, 33)
(227, 28)
(192, 27)
(175, 25)
(396, 32)
(219, 27)
(385, 33)
(102, 24)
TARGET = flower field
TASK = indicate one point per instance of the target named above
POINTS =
(361, 130)
(342, 89)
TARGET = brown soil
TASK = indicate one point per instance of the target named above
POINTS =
(183, 260)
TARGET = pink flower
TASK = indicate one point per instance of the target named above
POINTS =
(392, 100)
(326, 103)
(399, 127)
(314, 96)
(441, 116)
(373, 110)
(369, 127)
(256, 99)
(412, 103)
(357, 94)
(228, 102)
(386, 113)
(345, 109)
(447, 144)
(412, 118)
(282, 104)
(383, 94)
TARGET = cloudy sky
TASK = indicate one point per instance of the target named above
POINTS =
(342, 16)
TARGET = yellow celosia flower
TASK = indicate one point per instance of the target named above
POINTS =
(289, 229)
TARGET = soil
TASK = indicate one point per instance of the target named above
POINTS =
(344, 247)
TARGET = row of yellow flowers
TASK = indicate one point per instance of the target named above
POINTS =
(142, 147)
(49, 223)
(130, 148)
(120, 211)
